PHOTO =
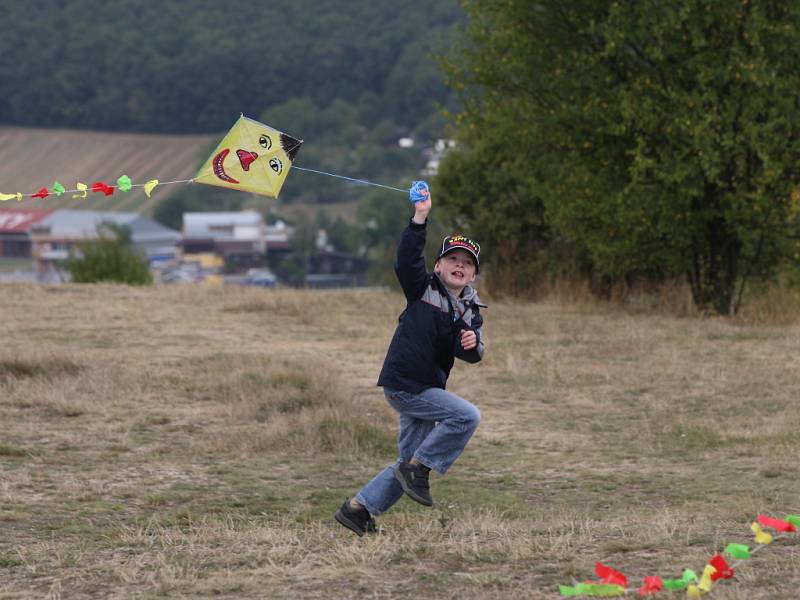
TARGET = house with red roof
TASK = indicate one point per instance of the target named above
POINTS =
(15, 230)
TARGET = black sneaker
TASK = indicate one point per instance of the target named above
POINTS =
(414, 479)
(357, 520)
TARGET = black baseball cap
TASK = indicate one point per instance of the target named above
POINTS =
(455, 242)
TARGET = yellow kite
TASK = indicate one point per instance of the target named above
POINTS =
(252, 157)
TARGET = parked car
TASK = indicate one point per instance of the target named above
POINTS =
(182, 273)
(260, 277)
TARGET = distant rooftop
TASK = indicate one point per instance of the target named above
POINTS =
(78, 224)
(20, 220)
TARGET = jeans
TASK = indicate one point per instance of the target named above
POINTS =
(435, 426)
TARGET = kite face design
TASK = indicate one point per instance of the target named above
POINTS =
(248, 159)
(219, 167)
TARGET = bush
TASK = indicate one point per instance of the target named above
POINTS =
(111, 257)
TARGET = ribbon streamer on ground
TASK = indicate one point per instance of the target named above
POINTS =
(688, 577)
(721, 568)
(762, 537)
(737, 551)
(592, 589)
(609, 575)
(776, 524)
(614, 583)
(704, 586)
(651, 585)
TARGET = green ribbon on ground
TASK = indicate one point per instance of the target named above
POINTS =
(58, 189)
(124, 183)
(567, 590)
(592, 589)
(793, 519)
(738, 551)
(688, 577)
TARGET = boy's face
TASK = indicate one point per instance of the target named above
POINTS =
(456, 269)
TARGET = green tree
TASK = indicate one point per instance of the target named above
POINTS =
(488, 183)
(383, 215)
(660, 138)
(110, 258)
(296, 266)
(344, 236)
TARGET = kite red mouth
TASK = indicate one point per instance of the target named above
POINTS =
(246, 158)
(219, 168)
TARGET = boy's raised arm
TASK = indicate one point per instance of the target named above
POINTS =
(410, 260)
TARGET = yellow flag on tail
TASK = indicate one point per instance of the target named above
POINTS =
(252, 157)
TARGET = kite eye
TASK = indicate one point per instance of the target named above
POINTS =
(276, 165)
(265, 142)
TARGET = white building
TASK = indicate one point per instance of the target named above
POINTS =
(224, 232)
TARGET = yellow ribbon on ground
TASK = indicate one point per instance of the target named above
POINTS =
(762, 537)
(695, 591)
(83, 189)
(17, 197)
(705, 578)
(148, 187)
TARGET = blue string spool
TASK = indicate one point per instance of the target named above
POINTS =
(419, 191)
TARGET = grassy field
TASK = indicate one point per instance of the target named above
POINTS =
(193, 442)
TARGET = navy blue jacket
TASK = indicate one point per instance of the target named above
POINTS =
(427, 339)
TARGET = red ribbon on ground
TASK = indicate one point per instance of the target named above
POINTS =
(99, 186)
(723, 570)
(42, 193)
(776, 524)
(652, 584)
(609, 575)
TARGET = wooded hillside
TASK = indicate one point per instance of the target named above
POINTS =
(194, 65)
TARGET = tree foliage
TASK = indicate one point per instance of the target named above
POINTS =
(194, 65)
(658, 138)
(110, 258)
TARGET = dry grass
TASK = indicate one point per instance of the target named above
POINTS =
(764, 304)
(192, 442)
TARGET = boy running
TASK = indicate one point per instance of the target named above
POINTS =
(441, 321)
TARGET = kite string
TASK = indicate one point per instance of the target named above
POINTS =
(162, 182)
(364, 181)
